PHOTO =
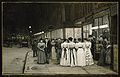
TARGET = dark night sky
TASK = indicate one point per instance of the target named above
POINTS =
(18, 16)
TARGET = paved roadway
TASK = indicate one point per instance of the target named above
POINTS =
(13, 60)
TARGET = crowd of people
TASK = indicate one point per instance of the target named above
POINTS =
(105, 53)
(67, 52)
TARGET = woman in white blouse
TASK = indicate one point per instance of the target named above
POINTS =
(81, 54)
(64, 61)
(72, 51)
(89, 57)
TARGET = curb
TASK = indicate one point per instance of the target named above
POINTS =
(25, 62)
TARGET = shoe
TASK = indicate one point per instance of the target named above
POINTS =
(47, 62)
(38, 63)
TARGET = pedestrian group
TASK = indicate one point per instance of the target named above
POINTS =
(67, 52)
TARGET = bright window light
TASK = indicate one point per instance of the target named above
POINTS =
(104, 26)
(79, 22)
(96, 27)
(39, 33)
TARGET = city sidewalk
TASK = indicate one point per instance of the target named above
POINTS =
(32, 67)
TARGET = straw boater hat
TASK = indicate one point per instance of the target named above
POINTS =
(108, 46)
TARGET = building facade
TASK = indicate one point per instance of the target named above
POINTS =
(80, 20)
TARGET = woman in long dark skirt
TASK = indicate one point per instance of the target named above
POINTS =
(101, 60)
(41, 52)
(108, 55)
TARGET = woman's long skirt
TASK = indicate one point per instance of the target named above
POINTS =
(81, 57)
(89, 57)
(101, 60)
(73, 58)
(41, 57)
(65, 58)
(108, 57)
(53, 55)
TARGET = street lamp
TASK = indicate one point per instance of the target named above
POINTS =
(29, 26)
(30, 33)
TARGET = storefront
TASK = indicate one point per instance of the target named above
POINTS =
(103, 25)
(101, 30)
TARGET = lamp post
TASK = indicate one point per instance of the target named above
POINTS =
(30, 34)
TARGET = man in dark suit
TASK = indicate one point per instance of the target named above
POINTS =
(47, 49)
(58, 49)
(34, 48)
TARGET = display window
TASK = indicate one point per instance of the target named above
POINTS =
(87, 30)
(100, 30)
(69, 32)
(77, 32)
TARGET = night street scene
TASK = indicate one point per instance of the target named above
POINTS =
(59, 38)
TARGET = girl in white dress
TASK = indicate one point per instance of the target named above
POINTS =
(72, 51)
(81, 55)
(89, 57)
(64, 61)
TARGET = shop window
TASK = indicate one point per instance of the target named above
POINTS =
(59, 33)
(100, 30)
(95, 28)
(48, 35)
(106, 32)
(90, 29)
(77, 32)
(96, 22)
(69, 32)
(84, 32)
(105, 20)
(87, 30)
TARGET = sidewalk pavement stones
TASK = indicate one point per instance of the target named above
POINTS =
(33, 68)
(93, 69)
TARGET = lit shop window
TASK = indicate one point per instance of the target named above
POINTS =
(84, 32)
(100, 30)
(101, 27)
(105, 20)
(95, 29)
(48, 35)
(69, 32)
(60, 33)
(106, 30)
(77, 33)
(87, 30)
(53, 35)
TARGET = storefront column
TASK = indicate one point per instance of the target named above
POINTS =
(73, 32)
(82, 33)
(64, 33)
(51, 34)
(111, 39)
